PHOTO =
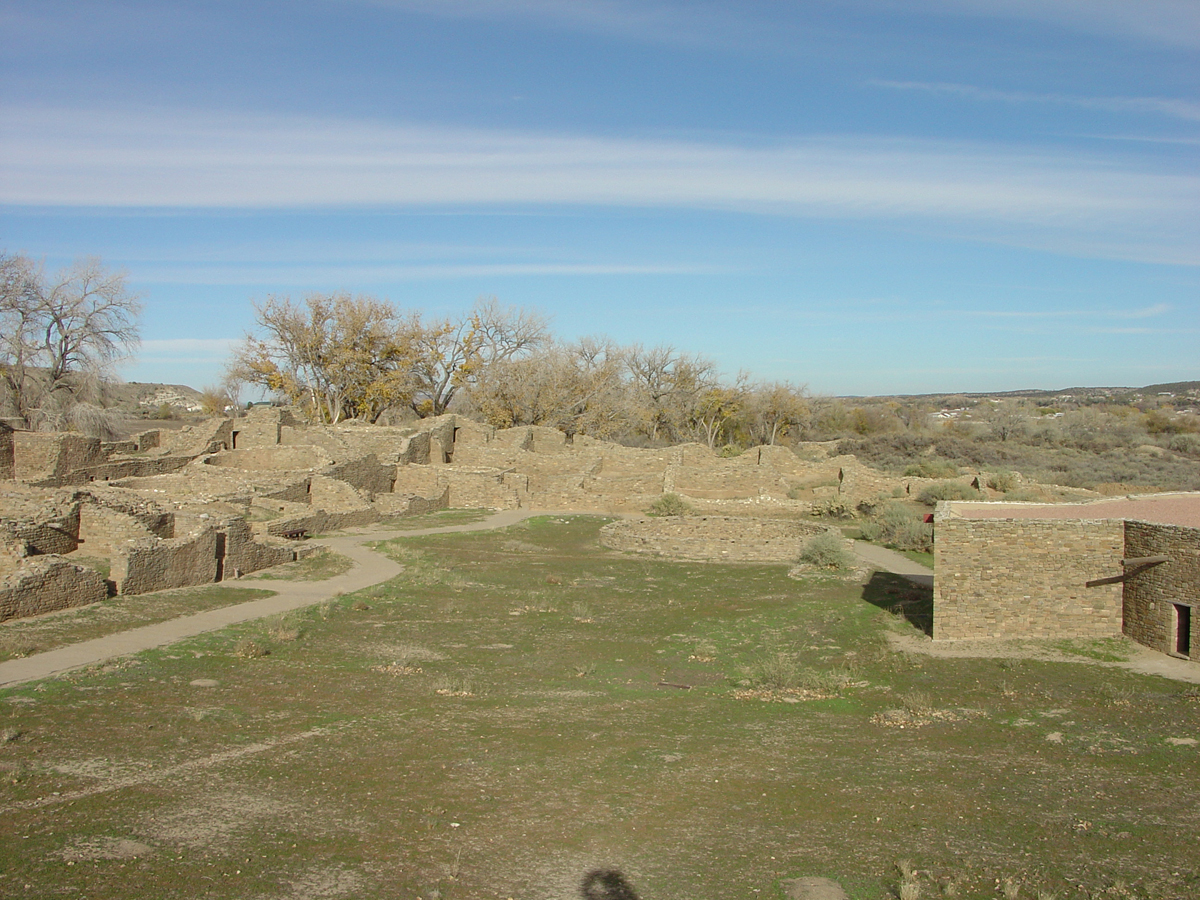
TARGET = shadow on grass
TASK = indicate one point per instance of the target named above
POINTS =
(901, 597)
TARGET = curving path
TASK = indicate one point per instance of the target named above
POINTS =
(369, 568)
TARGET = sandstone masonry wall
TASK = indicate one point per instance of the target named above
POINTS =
(1009, 578)
(1152, 595)
(366, 473)
(105, 532)
(7, 470)
(244, 554)
(711, 538)
(155, 565)
(45, 583)
(50, 458)
(391, 505)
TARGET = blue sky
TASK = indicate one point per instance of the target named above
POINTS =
(864, 196)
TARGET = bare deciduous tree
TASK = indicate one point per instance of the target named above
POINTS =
(666, 385)
(577, 388)
(774, 410)
(335, 356)
(61, 336)
(453, 354)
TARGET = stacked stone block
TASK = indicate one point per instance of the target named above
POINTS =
(1011, 578)
(1152, 593)
(711, 538)
(47, 583)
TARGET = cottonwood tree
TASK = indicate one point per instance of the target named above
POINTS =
(60, 337)
(774, 410)
(665, 386)
(577, 388)
(334, 355)
(451, 354)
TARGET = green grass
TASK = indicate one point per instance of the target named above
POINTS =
(920, 556)
(1101, 649)
(521, 706)
(439, 519)
(23, 637)
(318, 567)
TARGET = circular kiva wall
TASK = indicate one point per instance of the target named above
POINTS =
(715, 538)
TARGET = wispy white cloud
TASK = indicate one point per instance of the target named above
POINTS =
(284, 274)
(171, 158)
(1165, 106)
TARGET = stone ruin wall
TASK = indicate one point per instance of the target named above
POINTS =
(7, 459)
(366, 473)
(395, 505)
(1151, 594)
(105, 532)
(243, 554)
(1013, 578)
(156, 565)
(48, 583)
(712, 538)
(49, 458)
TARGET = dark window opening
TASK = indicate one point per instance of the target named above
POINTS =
(233, 440)
(1183, 629)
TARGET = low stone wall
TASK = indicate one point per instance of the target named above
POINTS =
(291, 492)
(191, 441)
(7, 470)
(470, 488)
(49, 459)
(393, 505)
(127, 467)
(54, 530)
(1154, 595)
(711, 538)
(1013, 578)
(105, 532)
(45, 583)
(366, 473)
(244, 554)
(258, 428)
(150, 516)
(156, 565)
(271, 459)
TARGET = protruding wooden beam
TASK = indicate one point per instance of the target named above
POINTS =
(1144, 561)
(1133, 565)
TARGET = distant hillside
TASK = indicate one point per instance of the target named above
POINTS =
(137, 396)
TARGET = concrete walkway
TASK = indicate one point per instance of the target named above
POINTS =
(890, 561)
(369, 568)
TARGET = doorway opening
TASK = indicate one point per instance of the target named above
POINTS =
(1183, 629)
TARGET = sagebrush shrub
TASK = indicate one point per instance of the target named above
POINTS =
(1003, 481)
(669, 505)
(827, 551)
(931, 468)
(898, 525)
(947, 490)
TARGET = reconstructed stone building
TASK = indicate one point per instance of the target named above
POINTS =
(1098, 569)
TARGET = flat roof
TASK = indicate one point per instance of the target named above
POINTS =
(1165, 509)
